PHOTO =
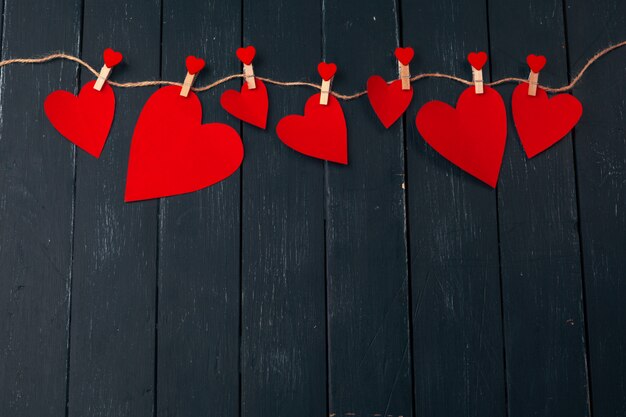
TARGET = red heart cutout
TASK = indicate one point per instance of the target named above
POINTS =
(536, 62)
(84, 120)
(472, 136)
(111, 57)
(172, 152)
(194, 64)
(246, 55)
(405, 55)
(389, 101)
(541, 122)
(326, 71)
(248, 105)
(477, 59)
(320, 133)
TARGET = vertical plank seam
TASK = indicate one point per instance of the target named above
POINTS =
(240, 318)
(79, 47)
(505, 378)
(407, 224)
(155, 398)
(579, 229)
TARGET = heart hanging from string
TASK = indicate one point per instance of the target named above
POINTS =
(541, 121)
(251, 103)
(172, 152)
(321, 132)
(85, 120)
(390, 100)
(473, 135)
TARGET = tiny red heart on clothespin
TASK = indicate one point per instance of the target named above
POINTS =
(477, 59)
(111, 57)
(326, 71)
(246, 55)
(194, 65)
(405, 55)
(536, 62)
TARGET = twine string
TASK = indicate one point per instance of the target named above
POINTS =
(151, 83)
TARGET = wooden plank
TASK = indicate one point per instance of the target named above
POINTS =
(114, 274)
(199, 267)
(539, 242)
(283, 358)
(600, 148)
(368, 313)
(37, 181)
(457, 329)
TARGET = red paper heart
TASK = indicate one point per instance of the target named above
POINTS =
(84, 120)
(320, 133)
(541, 122)
(248, 105)
(389, 101)
(194, 64)
(471, 136)
(246, 55)
(536, 62)
(477, 59)
(111, 57)
(172, 152)
(326, 71)
(404, 55)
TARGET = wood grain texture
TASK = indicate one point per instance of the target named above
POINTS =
(198, 311)
(114, 275)
(368, 313)
(600, 148)
(457, 329)
(37, 182)
(283, 358)
(539, 242)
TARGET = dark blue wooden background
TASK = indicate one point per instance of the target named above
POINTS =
(394, 286)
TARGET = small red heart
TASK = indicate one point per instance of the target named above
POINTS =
(536, 62)
(389, 101)
(84, 120)
(477, 59)
(246, 55)
(111, 57)
(471, 136)
(320, 133)
(326, 71)
(194, 65)
(542, 122)
(172, 152)
(248, 105)
(405, 55)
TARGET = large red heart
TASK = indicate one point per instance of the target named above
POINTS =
(84, 120)
(472, 136)
(320, 133)
(540, 121)
(248, 105)
(246, 55)
(389, 101)
(172, 152)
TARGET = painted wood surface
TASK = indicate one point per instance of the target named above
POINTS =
(394, 286)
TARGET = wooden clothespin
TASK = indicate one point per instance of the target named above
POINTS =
(536, 64)
(404, 56)
(111, 59)
(327, 72)
(194, 66)
(246, 55)
(477, 60)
